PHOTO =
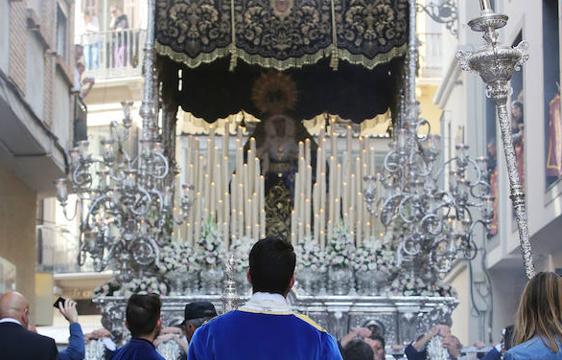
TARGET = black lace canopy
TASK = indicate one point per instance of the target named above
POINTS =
(343, 56)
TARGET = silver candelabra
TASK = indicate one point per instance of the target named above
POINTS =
(126, 203)
(495, 63)
(420, 213)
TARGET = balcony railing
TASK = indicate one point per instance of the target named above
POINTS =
(114, 54)
(431, 55)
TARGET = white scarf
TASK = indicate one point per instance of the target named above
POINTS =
(263, 302)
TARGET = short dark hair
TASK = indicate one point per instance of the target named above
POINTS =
(143, 312)
(358, 350)
(272, 264)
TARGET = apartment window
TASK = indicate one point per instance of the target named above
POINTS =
(62, 33)
(4, 35)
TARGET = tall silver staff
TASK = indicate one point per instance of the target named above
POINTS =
(496, 63)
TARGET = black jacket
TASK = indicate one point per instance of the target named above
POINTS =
(17, 343)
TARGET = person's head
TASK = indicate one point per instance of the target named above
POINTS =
(376, 327)
(517, 111)
(78, 52)
(195, 315)
(115, 10)
(358, 349)
(539, 310)
(453, 345)
(14, 305)
(377, 344)
(80, 67)
(272, 266)
(87, 16)
(143, 315)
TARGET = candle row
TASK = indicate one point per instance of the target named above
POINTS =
(336, 197)
(231, 198)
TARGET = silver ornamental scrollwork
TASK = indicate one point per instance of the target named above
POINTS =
(127, 204)
(495, 63)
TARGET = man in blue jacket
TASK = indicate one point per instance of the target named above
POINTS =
(265, 327)
(76, 349)
(143, 321)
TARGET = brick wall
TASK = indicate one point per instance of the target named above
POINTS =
(18, 42)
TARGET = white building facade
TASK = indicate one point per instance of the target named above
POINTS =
(536, 128)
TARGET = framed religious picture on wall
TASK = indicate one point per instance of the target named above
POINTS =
(553, 120)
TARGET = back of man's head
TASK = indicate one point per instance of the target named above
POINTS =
(14, 305)
(272, 265)
(143, 313)
(358, 350)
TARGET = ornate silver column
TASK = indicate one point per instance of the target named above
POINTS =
(148, 108)
(496, 63)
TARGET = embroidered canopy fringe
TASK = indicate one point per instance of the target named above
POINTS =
(282, 34)
(281, 65)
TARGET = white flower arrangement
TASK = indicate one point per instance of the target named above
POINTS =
(144, 285)
(210, 252)
(177, 256)
(372, 255)
(310, 256)
(411, 285)
(340, 248)
(241, 250)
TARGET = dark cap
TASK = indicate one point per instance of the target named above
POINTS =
(197, 310)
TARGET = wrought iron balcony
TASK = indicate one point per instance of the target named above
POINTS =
(113, 55)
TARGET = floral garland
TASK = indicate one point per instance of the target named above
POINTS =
(138, 285)
(340, 248)
(310, 256)
(241, 249)
(409, 284)
(372, 255)
(210, 244)
(144, 285)
(177, 256)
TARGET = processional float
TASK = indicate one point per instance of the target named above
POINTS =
(349, 276)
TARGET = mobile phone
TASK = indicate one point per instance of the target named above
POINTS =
(60, 300)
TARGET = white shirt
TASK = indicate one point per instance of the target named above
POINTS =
(10, 320)
(267, 302)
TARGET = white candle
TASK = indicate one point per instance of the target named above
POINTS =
(227, 219)
(248, 216)
(262, 207)
(234, 208)
(251, 171)
(349, 136)
(293, 226)
(255, 216)
(307, 150)
(322, 221)
(240, 207)
(246, 182)
(333, 144)
(351, 212)
(212, 197)
(226, 138)
(359, 226)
